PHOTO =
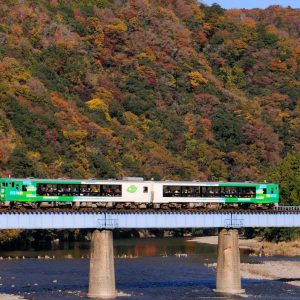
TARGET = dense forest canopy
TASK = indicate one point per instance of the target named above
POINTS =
(164, 89)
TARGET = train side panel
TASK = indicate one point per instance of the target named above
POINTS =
(23, 190)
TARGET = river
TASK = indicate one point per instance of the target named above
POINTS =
(145, 269)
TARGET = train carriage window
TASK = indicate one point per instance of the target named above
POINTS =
(95, 188)
(24, 188)
(46, 189)
(264, 191)
(187, 191)
(197, 191)
(246, 192)
(85, 190)
(111, 190)
(181, 191)
(230, 191)
(145, 189)
(117, 190)
(210, 191)
(171, 191)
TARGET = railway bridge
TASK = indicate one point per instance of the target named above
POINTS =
(102, 274)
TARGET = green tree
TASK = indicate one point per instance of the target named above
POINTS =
(287, 174)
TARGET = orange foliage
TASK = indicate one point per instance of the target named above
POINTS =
(277, 66)
(69, 117)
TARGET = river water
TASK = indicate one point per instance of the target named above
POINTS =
(145, 269)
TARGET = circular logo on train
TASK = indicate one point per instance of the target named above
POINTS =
(132, 188)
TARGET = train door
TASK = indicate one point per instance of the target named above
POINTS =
(1, 190)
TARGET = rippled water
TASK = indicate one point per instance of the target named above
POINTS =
(155, 273)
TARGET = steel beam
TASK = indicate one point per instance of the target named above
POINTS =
(44, 220)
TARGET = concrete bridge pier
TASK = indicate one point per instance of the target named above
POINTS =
(102, 272)
(228, 265)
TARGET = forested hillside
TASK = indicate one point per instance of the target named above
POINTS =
(159, 89)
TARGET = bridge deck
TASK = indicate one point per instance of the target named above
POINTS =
(52, 220)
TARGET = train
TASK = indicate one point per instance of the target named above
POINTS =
(135, 193)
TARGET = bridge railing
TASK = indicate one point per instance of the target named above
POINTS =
(287, 208)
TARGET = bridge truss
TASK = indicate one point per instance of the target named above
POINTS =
(112, 220)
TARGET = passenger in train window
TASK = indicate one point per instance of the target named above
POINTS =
(95, 190)
(176, 193)
(118, 191)
(109, 191)
(186, 191)
(168, 192)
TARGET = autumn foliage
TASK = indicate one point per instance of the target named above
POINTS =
(159, 89)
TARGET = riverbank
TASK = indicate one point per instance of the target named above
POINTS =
(258, 247)
(285, 271)
(10, 297)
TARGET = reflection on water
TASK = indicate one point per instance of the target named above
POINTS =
(123, 248)
(156, 273)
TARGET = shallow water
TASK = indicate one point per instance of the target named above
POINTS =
(156, 273)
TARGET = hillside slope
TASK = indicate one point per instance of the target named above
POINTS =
(160, 89)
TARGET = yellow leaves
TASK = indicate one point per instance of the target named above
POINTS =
(31, 155)
(148, 54)
(95, 30)
(134, 22)
(118, 27)
(130, 118)
(198, 13)
(99, 105)
(21, 76)
(240, 44)
(197, 79)
(75, 135)
(104, 94)
(11, 70)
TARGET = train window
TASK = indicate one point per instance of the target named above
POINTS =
(187, 191)
(265, 191)
(229, 191)
(111, 190)
(272, 191)
(181, 191)
(12, 184)
(46, 189)
(171, 191)
(24, 188)
(210, 191)
(197, 191)
(246, 192)
(95, 190)
(145, 189)
(85, 190)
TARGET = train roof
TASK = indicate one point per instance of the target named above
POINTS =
(132, 179)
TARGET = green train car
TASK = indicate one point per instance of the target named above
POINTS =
(135, 193)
